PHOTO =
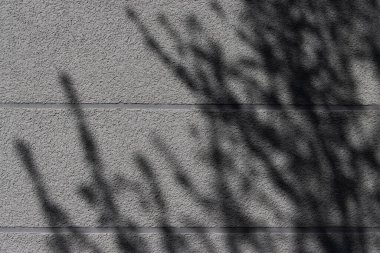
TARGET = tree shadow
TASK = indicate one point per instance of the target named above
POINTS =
(310, 159)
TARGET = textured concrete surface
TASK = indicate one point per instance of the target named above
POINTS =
(140, 165)
(94, 42)
(156, 175)
(23, 243)
(105, 53)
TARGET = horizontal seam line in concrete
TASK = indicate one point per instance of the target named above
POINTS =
(191, 230)
(206, 107)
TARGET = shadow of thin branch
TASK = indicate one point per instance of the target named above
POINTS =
(302, 168)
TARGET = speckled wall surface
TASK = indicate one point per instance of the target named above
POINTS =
(189, 126)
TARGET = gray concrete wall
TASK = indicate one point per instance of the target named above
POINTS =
(189, 126)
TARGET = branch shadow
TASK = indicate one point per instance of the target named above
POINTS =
(319, 164)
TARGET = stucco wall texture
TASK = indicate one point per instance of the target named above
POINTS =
(189, 126)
